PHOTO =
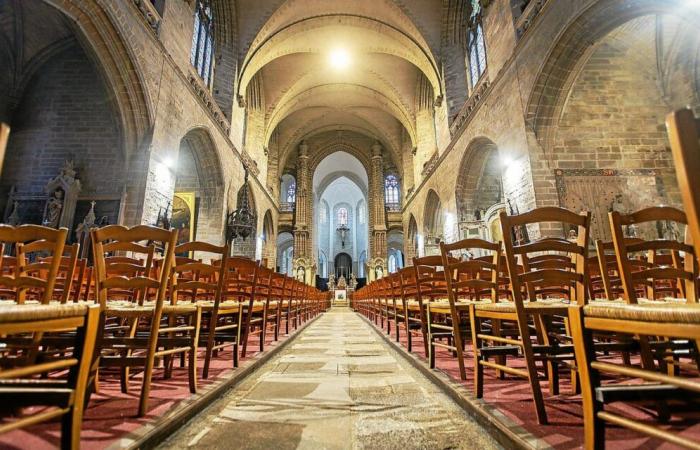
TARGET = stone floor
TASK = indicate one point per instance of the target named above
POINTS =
(337, 386)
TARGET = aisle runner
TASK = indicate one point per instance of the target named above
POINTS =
(337, 386)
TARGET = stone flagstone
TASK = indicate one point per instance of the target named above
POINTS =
(338, 386)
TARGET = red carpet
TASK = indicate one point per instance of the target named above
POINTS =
(111, 415)
(512, 396)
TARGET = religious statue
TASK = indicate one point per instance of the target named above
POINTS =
(617, 204)
(83, 228)
(353, 282)
(331, 282)
(54, 207)
(342, 283)
(379, 272)
(668, 230)
(301, 275)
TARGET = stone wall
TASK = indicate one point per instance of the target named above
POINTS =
(65, 113)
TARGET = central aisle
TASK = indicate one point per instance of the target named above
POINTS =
(337, 386)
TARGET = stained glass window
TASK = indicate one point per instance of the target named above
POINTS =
(322, 213)
(201, 55)
(391, 189)
(342, 216)
(292, 193)
(476, 45)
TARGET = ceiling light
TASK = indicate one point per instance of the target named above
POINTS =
(339, 58)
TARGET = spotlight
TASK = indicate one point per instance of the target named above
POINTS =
(339, 58)
(169, 162)
(506, 161)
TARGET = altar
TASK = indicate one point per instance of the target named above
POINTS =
(341, 289)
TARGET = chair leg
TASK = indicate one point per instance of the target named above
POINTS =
(533, 377)
(475, 325)
(148, 369)
(197, 319)
(593, 427)
(458, 344)
(71, 423)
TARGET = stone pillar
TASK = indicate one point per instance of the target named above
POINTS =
(303, 255)
(377, 244)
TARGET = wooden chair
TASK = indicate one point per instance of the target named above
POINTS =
(469, 281)
(648, 321)
(541, 293)
(414, 309)
(431, 290)
(242, 288)
(23, 377)
(146, 338)
(202, 284)
(66, 275)
(684, 134)
(33, 276)
(682, 271)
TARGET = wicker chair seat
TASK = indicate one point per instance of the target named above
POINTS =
(27, 313)
(664, 312)
(125, 308)
(548, 306)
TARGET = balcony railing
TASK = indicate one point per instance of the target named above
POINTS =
(286, 207)
(393, 207)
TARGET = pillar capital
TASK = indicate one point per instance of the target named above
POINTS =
(376, 150)
(303, 150)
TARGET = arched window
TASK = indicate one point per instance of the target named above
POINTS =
(392, 263)
(391, 189)
(342, 216)
(361, 214)
(292, 193)
(476, 45)
(202, 53)
(322, 213)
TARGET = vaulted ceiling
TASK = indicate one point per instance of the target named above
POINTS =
(285, 53)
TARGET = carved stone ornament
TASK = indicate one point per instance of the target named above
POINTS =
(63, 191)
(376, 268)
(303, 269)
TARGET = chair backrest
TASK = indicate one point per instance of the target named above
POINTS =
(430, 278)
(33, 275)
(241, 279)
(471, 278)
(684, 134)
(663, 255)
(111, 272)
(192, 279)
(551, 267)
(66, 269)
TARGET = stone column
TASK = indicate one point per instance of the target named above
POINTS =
(377, 244)
(303, 255)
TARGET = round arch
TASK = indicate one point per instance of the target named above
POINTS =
(571, 51)
(479, 165)
(117, 63)
(199, 174)
(432, 216)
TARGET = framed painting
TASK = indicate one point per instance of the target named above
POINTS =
(183, 217)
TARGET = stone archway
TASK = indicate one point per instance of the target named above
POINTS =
(433, 223)
(479, 181)
(199, 178)
(268, 241)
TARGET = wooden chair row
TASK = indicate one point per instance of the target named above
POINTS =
(459, 299)
(149, 309)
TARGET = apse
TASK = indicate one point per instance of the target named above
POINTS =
(340, 209)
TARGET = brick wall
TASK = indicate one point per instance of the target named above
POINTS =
(64, 114)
